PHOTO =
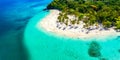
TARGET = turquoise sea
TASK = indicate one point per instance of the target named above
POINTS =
(42, 45)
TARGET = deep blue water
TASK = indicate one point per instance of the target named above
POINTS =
(14, 16)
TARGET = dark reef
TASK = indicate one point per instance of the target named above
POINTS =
(94, 49)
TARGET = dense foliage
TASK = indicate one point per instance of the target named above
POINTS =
(99, 12)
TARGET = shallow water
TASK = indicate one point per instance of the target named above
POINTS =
(42, 45)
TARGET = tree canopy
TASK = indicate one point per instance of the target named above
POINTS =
(105, 12)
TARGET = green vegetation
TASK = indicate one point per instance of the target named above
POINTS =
(118, 23)
(97, 12)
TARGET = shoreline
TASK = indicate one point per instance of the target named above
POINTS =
(49, 23)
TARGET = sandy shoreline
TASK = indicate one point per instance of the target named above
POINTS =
(49, 24)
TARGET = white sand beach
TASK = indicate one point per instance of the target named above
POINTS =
(50, 24)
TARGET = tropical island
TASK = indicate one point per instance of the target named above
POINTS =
(83, 18)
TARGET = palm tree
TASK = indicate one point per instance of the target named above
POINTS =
(118, 23)
(80, 16)
(59, 19)
(66, 18)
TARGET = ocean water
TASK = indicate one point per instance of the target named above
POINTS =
(20, 39)
(42, 45)
(14, 16)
